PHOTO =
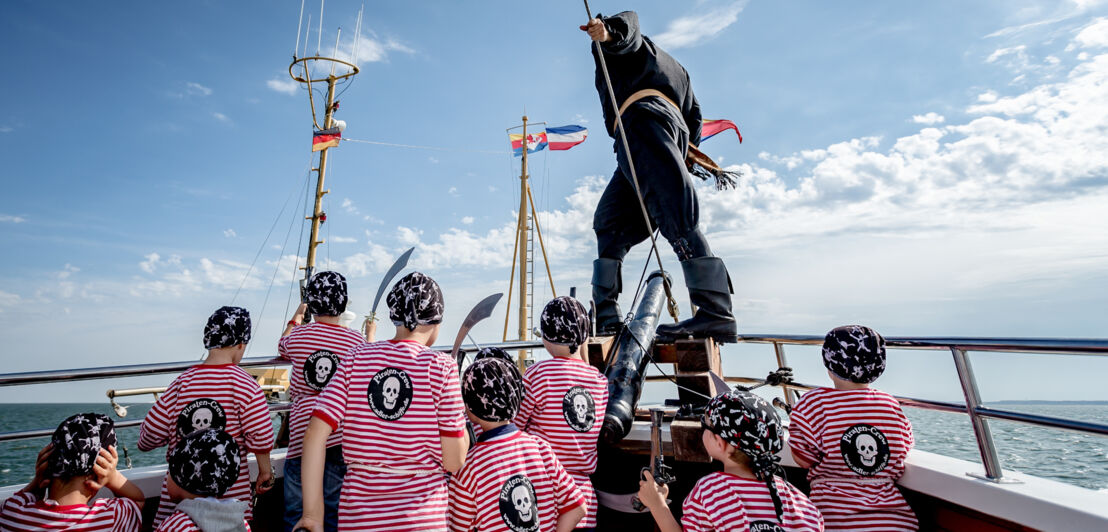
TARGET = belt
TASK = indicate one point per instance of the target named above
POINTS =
(851, 480)
(693, 155)
(393, 470)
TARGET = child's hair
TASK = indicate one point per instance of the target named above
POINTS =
(492, 389)
(77, 442)
(326, 294)
(854, 353)
(415, 300)
(205, 463)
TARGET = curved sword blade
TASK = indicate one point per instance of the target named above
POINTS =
(393, 270)
(480, 311)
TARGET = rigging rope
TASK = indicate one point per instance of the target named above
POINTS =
(418, 147)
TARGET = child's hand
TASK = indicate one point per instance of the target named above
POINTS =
(298, 316)
(652, 495)
(104, 471)
(307, 523)
(40, 482)
(265, 481)
(369, 327)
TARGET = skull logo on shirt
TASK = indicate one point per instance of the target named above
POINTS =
(319, 367)
(865, 449)
(518, 506)
(201, 414)
(579, 409)
(390, 393)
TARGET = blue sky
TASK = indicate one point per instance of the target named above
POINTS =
(928, 169)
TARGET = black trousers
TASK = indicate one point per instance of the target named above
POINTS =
(658, 138)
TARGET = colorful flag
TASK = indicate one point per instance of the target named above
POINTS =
(535, 142)
(565, 137)
(713, 127)
(327, 138)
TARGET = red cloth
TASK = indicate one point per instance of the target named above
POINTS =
(22, 512)
(722, 501)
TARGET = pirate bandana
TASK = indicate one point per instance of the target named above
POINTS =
(749, 423)
(77, 442)
(226, 327)
(415, 300)
(326, 294)
(492, 389)
(205, 463)
(565, 322)
(854, 353)
(494, 352)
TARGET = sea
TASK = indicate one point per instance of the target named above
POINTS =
(1071, 457)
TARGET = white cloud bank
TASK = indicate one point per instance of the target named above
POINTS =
(692, 30)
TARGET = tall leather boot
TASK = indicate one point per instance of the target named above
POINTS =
(710, 290)
(606, 286)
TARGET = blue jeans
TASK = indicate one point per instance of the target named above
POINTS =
(333, 471)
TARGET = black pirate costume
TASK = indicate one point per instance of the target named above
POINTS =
(226, 327)
(326, 294)
(494, 352)
(492, 389)
(415, 300)
(661, 123)
(854, 353)
(564, 321)
(77, 442)
(206, 464)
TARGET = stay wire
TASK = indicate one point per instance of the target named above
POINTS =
(671, 303)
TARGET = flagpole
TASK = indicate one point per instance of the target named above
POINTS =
(523, 227)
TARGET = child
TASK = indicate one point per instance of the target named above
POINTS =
(400, 405)
(316, 351)
(215, 394)
(202, 468)
(743, 431)
(853, 438)
(494, 352)
(78, 461)
(565, 398)
(511, 481)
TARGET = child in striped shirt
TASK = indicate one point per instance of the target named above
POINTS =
(511, 481)
(203, 466)
(316, 351)
(744, 432)
(565, 398)
(854, 439)
(79, 460)
(403, 423)
(215, 394)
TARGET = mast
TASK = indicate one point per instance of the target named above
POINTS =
(524, 248)
(321, 172)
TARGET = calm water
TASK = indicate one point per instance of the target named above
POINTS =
(1060, 455)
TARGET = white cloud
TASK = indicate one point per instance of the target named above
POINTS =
(8, 300)
(694, 29)
(196, 89)
(12, 219)
(453, 191)
(229, 233)
(1094, 35)
(929, 119)
(1020, 52)
(283, 85)
(6, 129)
(342, 239)
(467, 220)
(151, 263)
(221, 117)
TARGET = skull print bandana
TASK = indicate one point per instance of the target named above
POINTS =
(326, 294)
(749, 423)
(205, 463)
(492, 389)
(854, 353)
(77, 442)
(226, 327)
(415, 300)
(565, 322)
(494, 352)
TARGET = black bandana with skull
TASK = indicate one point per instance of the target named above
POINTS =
(854, 353)
(749, 423)
(326, 294)
(494, 352)
(205, 463)
(77, 442)
(415, 300)
(564, 321)
(492, 389)
(226, 327)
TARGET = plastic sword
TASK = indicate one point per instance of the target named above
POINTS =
(393, 270)
(481, 310)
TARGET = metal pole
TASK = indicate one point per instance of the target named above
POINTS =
(524, 212)
(989, 459)
(791, 396)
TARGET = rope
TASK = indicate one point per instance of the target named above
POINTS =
(671, 303)
(418, 147)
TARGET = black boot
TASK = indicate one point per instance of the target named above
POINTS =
(710, 290)
(606, 286)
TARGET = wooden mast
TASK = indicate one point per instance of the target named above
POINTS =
(321, 172)
(524, 227)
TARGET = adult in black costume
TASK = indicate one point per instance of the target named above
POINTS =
(659, 133)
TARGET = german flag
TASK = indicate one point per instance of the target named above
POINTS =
(327, 138)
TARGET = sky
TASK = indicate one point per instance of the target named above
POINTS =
(928, 169)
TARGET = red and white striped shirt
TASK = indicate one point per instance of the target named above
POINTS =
(217, 396)
(511, 481)
(181, 522)
(564, 401)
(316, 350)
(856, 441)
(721, 501)
(395, 399)
(24, 512)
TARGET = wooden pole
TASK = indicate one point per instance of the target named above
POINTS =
(524, 193)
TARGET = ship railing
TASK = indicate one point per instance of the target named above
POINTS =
(959, 349)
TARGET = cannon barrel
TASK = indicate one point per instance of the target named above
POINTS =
(626, 369)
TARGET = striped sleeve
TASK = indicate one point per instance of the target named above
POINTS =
(909, 435)
(283, 348)
(178, 522)
(451, 412)
(331, 404)
(257, 427)
(566, 492)
(462, 516)
(802, 442)
(694, 515)
(128, 517)
(157, 427)
(529, 405)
